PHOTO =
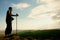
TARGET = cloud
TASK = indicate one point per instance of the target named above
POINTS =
(51, 9)
(57, 16)
(45, 1)
(49, 12)
(21, 5)
(38, 1)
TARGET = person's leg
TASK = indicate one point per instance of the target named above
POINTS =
(8, 29)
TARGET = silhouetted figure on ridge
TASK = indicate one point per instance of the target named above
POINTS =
(9, 20)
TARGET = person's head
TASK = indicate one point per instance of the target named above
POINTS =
(10, 8)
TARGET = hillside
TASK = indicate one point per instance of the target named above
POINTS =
(37, 35)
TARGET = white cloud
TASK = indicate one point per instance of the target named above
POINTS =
(46, 1)
(21, 5)
(51, 8)
(45, 12)
(38, 1)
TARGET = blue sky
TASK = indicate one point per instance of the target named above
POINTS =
(33, 14)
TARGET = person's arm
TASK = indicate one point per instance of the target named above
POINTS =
(13, 15)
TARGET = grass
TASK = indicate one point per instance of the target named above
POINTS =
(38, 34)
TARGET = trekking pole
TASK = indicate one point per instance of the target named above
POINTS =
(16, 25)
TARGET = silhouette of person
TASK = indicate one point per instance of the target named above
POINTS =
(9, 20)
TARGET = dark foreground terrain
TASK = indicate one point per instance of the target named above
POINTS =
(34, 35)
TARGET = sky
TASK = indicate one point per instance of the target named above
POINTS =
(33, 14)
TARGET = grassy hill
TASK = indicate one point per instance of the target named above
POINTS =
(41, 34)
(38, 34)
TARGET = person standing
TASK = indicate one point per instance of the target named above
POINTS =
(9, 20)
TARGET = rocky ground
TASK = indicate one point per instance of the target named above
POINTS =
(15, 38)
(10, 38)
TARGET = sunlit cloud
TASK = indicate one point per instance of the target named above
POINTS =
(47, 14)
(51, 8)
(21, 5)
